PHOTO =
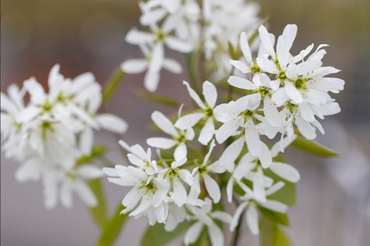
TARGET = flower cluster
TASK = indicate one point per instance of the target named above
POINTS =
(283, 94)
(185, 26)
(53, 131)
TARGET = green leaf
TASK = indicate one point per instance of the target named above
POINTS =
(286, 194)
(157, 236)
(112, 228)
(99, 212)
(278, 218)
(313, 147)
(96, 151)
(112, 84)
(156, 98)
(271, 234)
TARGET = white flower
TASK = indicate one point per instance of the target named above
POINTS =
(205, 217)
(153, 62)
(174, 175)
(203, 171)
(148, 189)
(249, 202)
(206, 113)
(179, 137)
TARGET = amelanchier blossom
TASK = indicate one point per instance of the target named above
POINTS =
(276, 93)
(206, 112)
(179, 137)
(53, 131)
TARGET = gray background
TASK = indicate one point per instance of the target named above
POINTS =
(332, 196)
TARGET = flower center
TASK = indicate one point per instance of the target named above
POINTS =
(255, 69)
(159, 36)
(281, 76)
(264, 91)
(300, 84)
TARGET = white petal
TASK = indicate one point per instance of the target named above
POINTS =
(178, 44)
(228, 129)
(274, 206)
(193, 233)
(186, 176)
(112, 123)
(134, 66)
(229, 190)
(241, 83)
(36, 91)
(164, 123)
(194, 95)
(87, 141)
(151, 81)
(66, 194)
(285, 171)
(162, 143)
(306, 111)
(179, 192)
(216, 235)
(275, 188)
(207, 132)
(235, 221)
(280, 97)
(172, 65)
(293, 93)
(265, 156)
(242, 67)
(157, 58)
(244, 45)
(90, 172)
(252, 219)
(253, 140)
(266, 41)
(222, 216)
(212, 188)
(85, 193)
(180, 152)
(305, 128)
(210, 93)
(259, 186)
(189, 120)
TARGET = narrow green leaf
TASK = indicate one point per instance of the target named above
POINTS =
(112, 84)
(271, 234)
(96, 151)
(157, 236)
(276, 217)
(99, 212)
(112, 228)
(156, 98)
(313, 147)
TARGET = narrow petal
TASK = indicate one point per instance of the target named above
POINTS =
(89, 171)
(193, 233)
(112, 123)
(157, 58)
(259, 186)
(85, 194)
(216, 235)
(189, 120)
(194, 95)
(162, 143)
(235, 221)
(241, 83)
(210, 93)
(179, 192)
(252, 219)
(207, 132)
(285, 171)
(172, 65)
(151, 81)
(134, 66)
(164, 123)
(212, 188)
(293, 93)
(180, 152)
(274, 206)
(178, 44)
(244, 45)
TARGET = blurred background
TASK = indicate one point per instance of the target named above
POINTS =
(333, 196)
